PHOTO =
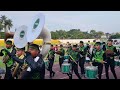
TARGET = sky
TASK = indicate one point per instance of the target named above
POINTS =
(106, 21)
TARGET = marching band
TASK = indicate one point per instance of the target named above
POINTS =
(22, 64)
(25, 60)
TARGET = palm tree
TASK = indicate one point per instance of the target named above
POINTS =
(6, 23)
(3, 18)
(1, 27)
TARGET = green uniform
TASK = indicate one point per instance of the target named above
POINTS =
(51, 54)
(10, 61)
(62, 52)
(83, 51)
(74, 55)
(98, 56)
(68, 50)
(112, 48)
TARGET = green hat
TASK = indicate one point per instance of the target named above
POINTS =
(34, 46)
(9, 42)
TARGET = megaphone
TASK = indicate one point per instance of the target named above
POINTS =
(38, 30)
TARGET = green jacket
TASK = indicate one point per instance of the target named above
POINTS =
(83, 51)
(74, 55)
(51, 54)
(62, 52)
(68, 50)
(10, 61)
(99, 56)
(110, 48)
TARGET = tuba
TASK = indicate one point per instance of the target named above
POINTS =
(38, 30)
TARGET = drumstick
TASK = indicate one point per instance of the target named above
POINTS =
(72, 59)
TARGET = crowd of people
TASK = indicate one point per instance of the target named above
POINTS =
(29, 64)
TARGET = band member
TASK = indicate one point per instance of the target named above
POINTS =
(35, 65)
(50, 57)
(82, 53)
(98, 58)
(17, 68)
(74, 57)
(110, 53)
(7, 60)
(61, 52)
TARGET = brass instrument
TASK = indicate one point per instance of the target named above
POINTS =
(16, 67)
(5, 59)
(23, 69)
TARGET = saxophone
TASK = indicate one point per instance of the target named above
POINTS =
(23, 69)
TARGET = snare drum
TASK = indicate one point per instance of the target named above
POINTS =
(46, 63)
(66, 68)
(117, 63)
(91, 72)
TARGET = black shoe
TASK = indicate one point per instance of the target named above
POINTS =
(53, 74)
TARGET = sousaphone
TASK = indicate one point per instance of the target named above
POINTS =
(38, 30)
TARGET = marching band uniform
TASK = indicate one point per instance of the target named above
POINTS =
(61, 57)
(82, 57)
(75, 55)
(98, 57)
(110, 60)
(8, 61)
(51, 55)
(17, 68)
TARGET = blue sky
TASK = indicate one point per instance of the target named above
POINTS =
(107, 21)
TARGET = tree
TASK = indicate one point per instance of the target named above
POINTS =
(92, 32)
(6, 23)
(1, 27)
(99, 34)
(115, 36)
